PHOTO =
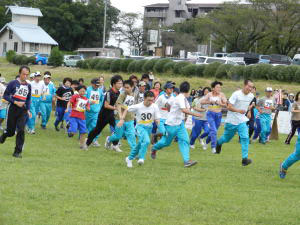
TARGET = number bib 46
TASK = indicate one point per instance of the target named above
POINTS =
(21, 92)
(81, 105)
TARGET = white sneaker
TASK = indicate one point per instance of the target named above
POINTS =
(203, 144)
(107, 143)
(192, 146)
(129, 162)
(140, 162)
(96, 144)
(213, 151)
(116, 148)
(84, 147)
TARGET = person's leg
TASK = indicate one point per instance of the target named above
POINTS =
(257, 129)
(166, 139)
(11, 123)
(101, 123)
(82, 131)
(31, 121)
(118, 134)
(264, 128)
(251, 127)
(112, 123)
(73, 126)
(211, 119)
(129, 131)
(20, 138)
(195, 131)
(43, 111)
(144, 140)
(244, 139)
(294, 157)
(60, 111)
(48, 112)
(292, 133)
(229, 132)
(183, 142)
(206, 129)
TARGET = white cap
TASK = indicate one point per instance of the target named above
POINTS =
(47, 76)
(37, 73)
(269, 89)
(142, 83)
(292, 94)
(2, 79)
(32, 75)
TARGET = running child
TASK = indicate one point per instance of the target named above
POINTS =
(3, 102)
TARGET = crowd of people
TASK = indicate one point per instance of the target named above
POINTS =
(143, 112)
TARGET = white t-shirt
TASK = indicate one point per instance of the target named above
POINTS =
(176, 116)
(3, 102)
(37, 88)
(239, 101)
(161, 102)
(145, 115)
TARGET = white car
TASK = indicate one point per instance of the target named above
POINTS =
(208, 60)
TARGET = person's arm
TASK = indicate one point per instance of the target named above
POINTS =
(223, 101)
(233, 109)
(70, 103)
(8, 93)
(28, 100)
(205, 99)
(107, 102)
(59, 94)
(88, 106)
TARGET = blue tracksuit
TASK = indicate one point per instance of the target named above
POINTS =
(197, 128)
(214, 121)
(96, 96)
(183, 140)
(46, 103)
(265, 121)
(34, 109)
(143, 133)
(243, 132)
(294, 157)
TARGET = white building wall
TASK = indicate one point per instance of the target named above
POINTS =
(25, 19)
(9, 42)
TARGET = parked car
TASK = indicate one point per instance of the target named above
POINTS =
(41, 59)
(296, 59)
(249, 58)
(220, 54)
(208, 60)
(71, 60)
(264, 59)
(280, 59)
(194, 55)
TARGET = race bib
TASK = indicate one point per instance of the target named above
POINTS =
(268, 104)
(21, 92)
(95, 97)
(146, 119)
(141, 97)
(81, 105)
(129, 101)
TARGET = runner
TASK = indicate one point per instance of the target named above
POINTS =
(3, 102)
(295, 119)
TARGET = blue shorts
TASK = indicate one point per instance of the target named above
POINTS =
(2, 113)
(77, 124)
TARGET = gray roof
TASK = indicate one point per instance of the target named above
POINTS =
(158, 5)
(30, 33)
(204, 5)
(24, 11)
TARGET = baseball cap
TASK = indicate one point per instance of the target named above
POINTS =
(37, 74)
(2, 79)
(169, 85)
(176, 90)
(269, 89)
(32, 75)
(142, 83)
(95, 81)
(291, 94)
(47, 76)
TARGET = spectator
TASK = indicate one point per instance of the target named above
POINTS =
(135, 81)
(151, 78)
(157, 89)
(101, 86)
(285, 102)
(145, 78)
(81, 81)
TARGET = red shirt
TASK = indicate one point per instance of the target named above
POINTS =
(79, 105)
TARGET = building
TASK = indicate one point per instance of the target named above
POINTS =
(99, 52)
(23, 35)
(82, 1)
(161, 15)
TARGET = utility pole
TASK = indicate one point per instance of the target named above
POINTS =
(104, 25)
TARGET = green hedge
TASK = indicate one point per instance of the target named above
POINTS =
(214, 70)
(10, 55)
(23, 60)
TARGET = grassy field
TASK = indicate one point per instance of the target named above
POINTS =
(57, 184)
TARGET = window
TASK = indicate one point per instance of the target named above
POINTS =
(34, 47)
(16, 46)
(4, 46)
(177, 13)
(10, 34)
(23, 46)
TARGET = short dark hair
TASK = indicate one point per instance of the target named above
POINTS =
(75, 82)
(115, 79)
(133, 77)
(129, 82)
(157, 82)
(148, 94)
(81, 79)
(247, 81)
(297, 96)
(80, 87)
(47, 73)
(184, 87)
(145, 76)
(23, 67)
(67, 79)
(204, 89)
(215, 83)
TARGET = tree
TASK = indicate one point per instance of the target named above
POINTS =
(129, 31)
(56, 57)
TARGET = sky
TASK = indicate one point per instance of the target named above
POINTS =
(137, 7)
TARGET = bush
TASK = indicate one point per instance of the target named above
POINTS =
(139, 65)
(92, 63)
(178, 67)
(280, 72)
(290, 73)
(85, 64)
(262, 71)
(297, 75)
(124, 64)
(10, 55)
(168, 67)
(248, 70)
(211, 69)
(115, 66)
(200, 70)
(30, 60)
(189, 70)
(100, 64)
(148, 66)
(106, 64)
(20, 60)
(79, 63)
(131, 67)
(236, 72)
(223, 70)
(56, 57)
(159, 65)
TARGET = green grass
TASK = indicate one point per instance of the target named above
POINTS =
(57, 184)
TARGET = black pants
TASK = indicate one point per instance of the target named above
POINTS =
(295, 126)
(103, 120)
(251, 123)
(16, 120)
